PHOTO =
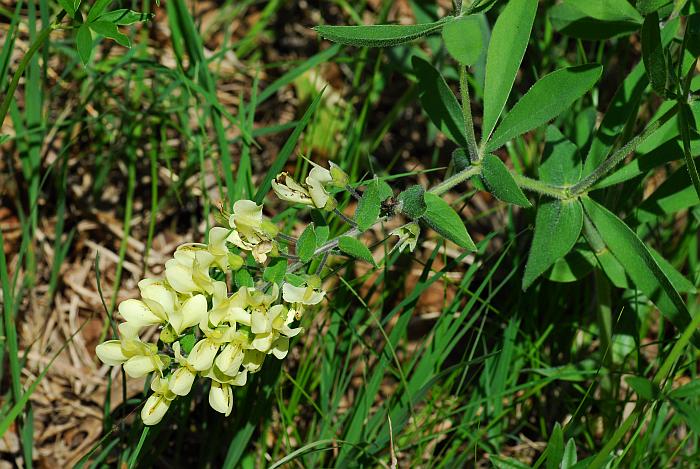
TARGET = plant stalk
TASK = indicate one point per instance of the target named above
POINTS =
(474, 155)
(24, 63)
(607, 165)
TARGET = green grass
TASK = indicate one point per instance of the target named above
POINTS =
(437, 359)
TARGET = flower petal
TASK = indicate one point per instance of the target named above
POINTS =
(280, 348)
(181, 381)
(180, 277)
(155, 408)
(138, 313)
(202, 355)
(221, 398)
(140, 365)
(110, 353)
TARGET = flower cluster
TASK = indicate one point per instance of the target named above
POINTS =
(314, 192)
(205, 331)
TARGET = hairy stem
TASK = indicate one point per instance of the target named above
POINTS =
(610, 163)
(474, 156)
(455, 179)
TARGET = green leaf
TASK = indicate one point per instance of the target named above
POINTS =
(110, 30)
(71, 6)
(650, 6)
(677, 279)
(380, 35)
(243, 278)
(555, 448)
(412, 202)
(643, 387)
(463, 39)
(622, 109)
(689, 413)
(569, 457)
(509, 39)
(607, 10)
(653, 54)
(439, 102)
(460, 159)
(83, 42)
(96, 10)
(368, 207)
(691, 389)
(187, 342)
(296, 280)
(354, 247)
(384, 190)
(561, 165)
(125, 17)
(573, 267)
(571, 21)
(322, 233)
(306, 244)
(676, 193)
(557, 227)
(501, 183)
(274, 272)
(686, 121)
(548, 97)
(445, 221)
(638, 263)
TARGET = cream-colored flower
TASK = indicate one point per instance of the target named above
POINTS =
(159, 296)
(158, 403)
(192, 312)
(217, 246)
(137, 357)
(138, 313)
(251, 232)
(188, 271)
(181, 380)
(316, 181)
(305, 295)
(289, 190)
(253, 360)
(220, 393)
(408, 236)
(202, 355)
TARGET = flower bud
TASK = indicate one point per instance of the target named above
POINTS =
(340, 177)
(235, 261)
(168, 335)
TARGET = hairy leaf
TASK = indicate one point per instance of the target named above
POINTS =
(443, 219)
(306, 244)
(638, 263)
(354, 247)
(368, 207)
(380, 35)
(561, 165)
(463, 39)
(509, 39)
(501, 183)
(653, 54)
(439, 101)
(557, 227)
(547, 98)
(412, 202)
